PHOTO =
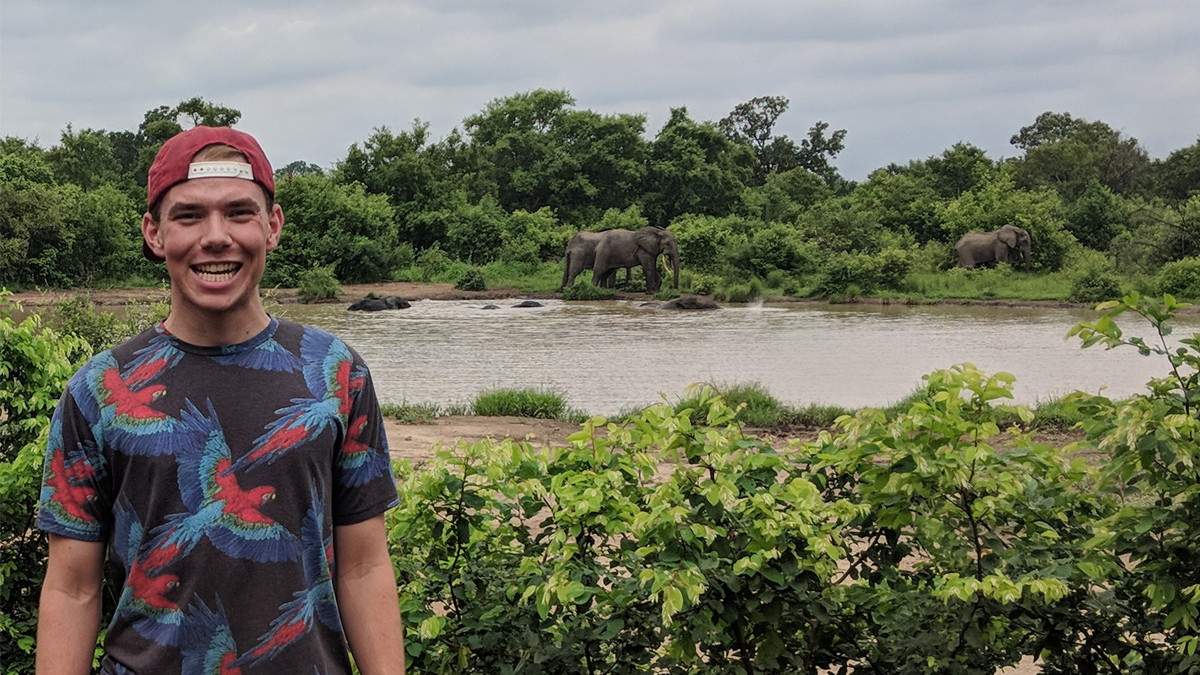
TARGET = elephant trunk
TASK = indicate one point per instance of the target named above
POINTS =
(673, 257)
(1026, 255)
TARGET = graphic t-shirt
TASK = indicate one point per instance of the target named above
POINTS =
(216, 476)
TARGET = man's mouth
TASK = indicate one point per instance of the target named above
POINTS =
(217, 271)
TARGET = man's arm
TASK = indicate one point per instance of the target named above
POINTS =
(367, 598)
(69, 609)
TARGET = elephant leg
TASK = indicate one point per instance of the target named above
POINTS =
(650, 271)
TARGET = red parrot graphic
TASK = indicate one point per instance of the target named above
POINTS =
(334, 383)
(145, 599)
(218, 507)
(316, 601)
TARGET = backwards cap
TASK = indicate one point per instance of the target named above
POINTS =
(173, 164)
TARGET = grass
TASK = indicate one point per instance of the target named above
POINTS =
(539, 403)
(762, 409)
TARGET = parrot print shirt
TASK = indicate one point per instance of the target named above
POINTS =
(216, 476)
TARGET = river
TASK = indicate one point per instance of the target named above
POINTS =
(608, 357)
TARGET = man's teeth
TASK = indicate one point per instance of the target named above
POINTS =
(217, 272)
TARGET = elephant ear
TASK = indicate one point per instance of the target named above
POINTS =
(1008, 235)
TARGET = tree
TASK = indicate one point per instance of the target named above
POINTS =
(752, 123)
(534, 150)
(1065, 154)
(1178, 176)
(333, 224)
(85, 159)
(694, 169)
(203, 113)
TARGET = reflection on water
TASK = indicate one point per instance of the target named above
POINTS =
(610, 356)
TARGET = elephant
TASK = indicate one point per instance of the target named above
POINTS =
(379, 304)
(581, 255)
(626, 248)
(976, 248)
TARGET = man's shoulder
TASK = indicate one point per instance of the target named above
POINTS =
(316, 336)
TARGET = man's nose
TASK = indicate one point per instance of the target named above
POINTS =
(216, 232)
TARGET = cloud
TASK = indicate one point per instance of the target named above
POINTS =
(906, 79)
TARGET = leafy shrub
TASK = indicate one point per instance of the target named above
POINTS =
(1094, 285)
(35, 364)
(404, 255)
(666, 293)
(521, 403)
(318, 283)
(908, 543)
(700, 284)
(101, 330)
(893, 265)
(1143, 606)
(584, 290)
(747, 292)
(846, 275)
(472, 280)
(777, 278)
(432, 261)
(776, 248)
(1180, 278)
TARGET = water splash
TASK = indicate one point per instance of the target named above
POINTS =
(755, 304)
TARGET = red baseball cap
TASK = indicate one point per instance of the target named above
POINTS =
(173, 164)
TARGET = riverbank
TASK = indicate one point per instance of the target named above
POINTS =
(115, 297)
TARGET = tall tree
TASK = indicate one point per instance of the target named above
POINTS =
(694, 168)
(1177, 177)
(753, 123)
(535, 150)
(1066, 153)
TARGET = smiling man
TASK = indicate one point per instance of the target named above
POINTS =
(233, 465)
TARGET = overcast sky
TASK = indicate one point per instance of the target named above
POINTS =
(905, 79)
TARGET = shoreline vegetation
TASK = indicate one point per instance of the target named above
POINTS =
(752, 405)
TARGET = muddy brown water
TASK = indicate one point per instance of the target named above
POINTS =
(606, 357)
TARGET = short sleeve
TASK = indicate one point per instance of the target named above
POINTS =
(74, 500)
(363, 483)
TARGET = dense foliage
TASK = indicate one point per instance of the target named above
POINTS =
(35, 364)
(529, 170)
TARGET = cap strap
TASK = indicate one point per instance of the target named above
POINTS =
(220, 170)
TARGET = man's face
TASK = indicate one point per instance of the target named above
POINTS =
(214, 234)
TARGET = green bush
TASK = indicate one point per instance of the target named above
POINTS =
(678, 543)
(522, 403)
(318, 283)
(472, 280)
(893, 265)
(584, 290)
(432, 261)
(846, 275)
(1180, 278)
(35, 364)
(1094, 285)
(1142, 607)
(100, 329)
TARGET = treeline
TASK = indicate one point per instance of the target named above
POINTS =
(529, 170)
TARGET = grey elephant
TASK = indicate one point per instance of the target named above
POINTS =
(581, 255)
(977, 248)
(626, 248)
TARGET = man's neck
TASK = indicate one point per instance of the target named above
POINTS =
(224, 329)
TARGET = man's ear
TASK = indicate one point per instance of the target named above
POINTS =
(152, 234)
(274, 227)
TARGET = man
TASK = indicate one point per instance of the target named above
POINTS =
(234, 465)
